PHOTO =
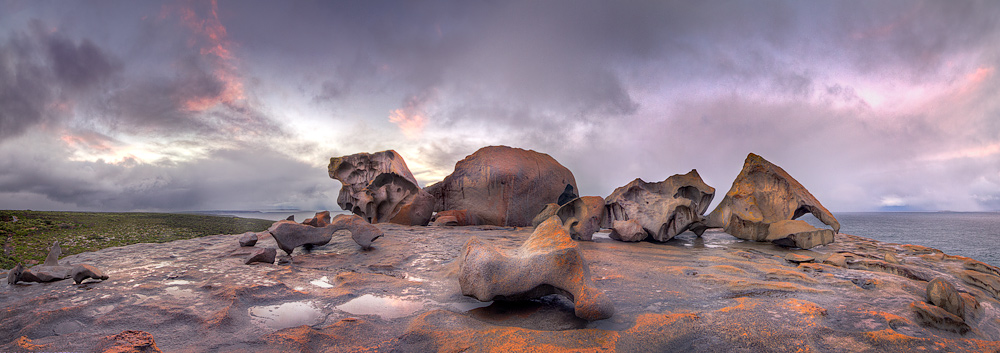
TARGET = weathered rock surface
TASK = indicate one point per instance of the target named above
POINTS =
(547, 263)
(248, 239)
(380, 188)
(322, 219)
(502, 186)
(82, 272)
(798, 258)
(663, 209)
(130, 341)
(454, 218)
(290, 235)
(712, 293)
(549, 211)
(265, 255)
(764, 194)
(583, 216)
(629, 230)
(798, 234)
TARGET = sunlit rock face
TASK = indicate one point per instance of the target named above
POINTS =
(764, 194)
(502, 185)
(380, 188)
(547, 263)
(662, 209)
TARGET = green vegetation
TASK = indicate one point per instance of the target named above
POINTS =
(28, 239)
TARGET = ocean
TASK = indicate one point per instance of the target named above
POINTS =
(970, 234)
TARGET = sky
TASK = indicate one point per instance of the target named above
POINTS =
(239, 105)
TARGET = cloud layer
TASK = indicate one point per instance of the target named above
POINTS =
(193, 105)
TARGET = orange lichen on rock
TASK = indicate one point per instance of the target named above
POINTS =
(26, 343)
(445, 331)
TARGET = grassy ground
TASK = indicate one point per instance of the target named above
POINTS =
(27, 240)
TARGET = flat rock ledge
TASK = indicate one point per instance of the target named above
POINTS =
(713, 293)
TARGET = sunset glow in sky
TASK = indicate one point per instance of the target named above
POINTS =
(198, 105)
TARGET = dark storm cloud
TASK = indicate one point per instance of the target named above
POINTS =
(42, 73)
(866, 103)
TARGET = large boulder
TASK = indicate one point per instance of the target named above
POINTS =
(547, 263)
(380, 188)
(502, 185)
(290, 235)
(764, 194)
(663, 209)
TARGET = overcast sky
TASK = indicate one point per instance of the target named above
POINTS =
(167, 106)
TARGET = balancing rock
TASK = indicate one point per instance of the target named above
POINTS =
(265, 255)
(248, 239)
(547, 263)
(380, 188)
(502, 186)
(662, 209)
(764, 194)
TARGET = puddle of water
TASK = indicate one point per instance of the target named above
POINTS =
(179, 293)
(384, 307)
(412, 278)
(322, 283)
(286, 315)
(177, 282)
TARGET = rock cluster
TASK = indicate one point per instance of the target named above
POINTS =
(51, 270)
(380, 188)
(548, 262)
(662, 209)
(503, 186)
(762, 201)
(290, 235)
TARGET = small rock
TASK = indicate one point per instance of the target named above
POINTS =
(128, 341)
(944, 295)
(83, 271)
(14, 274)
(248, 239)
(838, 259)
(265, 255)
(290, 218)
(797, 258)
(890, 258)
(629, 230)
